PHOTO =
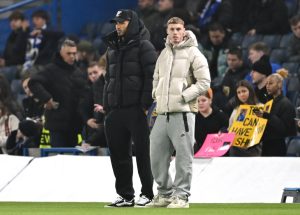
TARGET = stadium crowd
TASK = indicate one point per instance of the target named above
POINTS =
(58, 80)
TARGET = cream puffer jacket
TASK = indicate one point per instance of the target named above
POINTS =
(181, 75)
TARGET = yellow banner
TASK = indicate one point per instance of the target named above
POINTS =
(249, 128)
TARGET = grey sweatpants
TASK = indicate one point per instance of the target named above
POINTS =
(167, 135)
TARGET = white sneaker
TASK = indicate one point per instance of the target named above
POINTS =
(143, 200)
(159, 201)
(177, 202)
(121, 202)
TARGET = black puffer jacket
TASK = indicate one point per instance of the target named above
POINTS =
(66, 85)
(130, 66)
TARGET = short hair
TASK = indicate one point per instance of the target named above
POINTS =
(68, 42)
(16, 15)
(42, 14)
(236, 51)
(260, 46)
(175, 20)
(295, 19)
(93, 63)
(216, 26)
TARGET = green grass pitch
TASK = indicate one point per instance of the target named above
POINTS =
(28, 208)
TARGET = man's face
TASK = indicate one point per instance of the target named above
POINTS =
(94, 73)
(121, 27)
(164, 5)
(176, 33)
(272, 85)
(296, 29)
(68, 54)
(254, 55)
(144, 3)
(38, 22)
(15, 24)
(257, 77)
(216, 37)
(234, 62)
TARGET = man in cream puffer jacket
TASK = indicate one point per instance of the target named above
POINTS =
(181, 75)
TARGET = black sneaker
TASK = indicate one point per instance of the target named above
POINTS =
(121, 202)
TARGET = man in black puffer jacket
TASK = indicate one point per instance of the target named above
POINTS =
(61, 86)
(127, 95)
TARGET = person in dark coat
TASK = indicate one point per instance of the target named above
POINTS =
(27, 136)
(92, 109)
(60, 87)
(266, 17)
(42, 41)
(127, 95)
(281, 120)
(15, 46)
(209, 120)
(261, 69)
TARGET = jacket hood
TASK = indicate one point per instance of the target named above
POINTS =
(189, 41)
(136, 30)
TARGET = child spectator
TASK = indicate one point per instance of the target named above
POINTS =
(209, 119)
(244, 95)
(92, 109)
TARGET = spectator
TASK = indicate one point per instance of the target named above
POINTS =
(127, 95)
(214, 50)
(293, 49)
(146, 11)
(93, 114)
(26, 136)
(158, 32)
(209, 119)
(281, 123)
(256, 51)
(8, 123)
(85, 54)
(236, 71)
(245, 95)
(60, 87)
(32, 107)
(261, 69)
(15, 47)
(267, 17)
(181, 75)
(43, 41)
(211, 11)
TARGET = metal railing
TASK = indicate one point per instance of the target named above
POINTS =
(16, 5)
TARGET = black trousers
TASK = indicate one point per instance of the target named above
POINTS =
(63, 138)
(122, 126)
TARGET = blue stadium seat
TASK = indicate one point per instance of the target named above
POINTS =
(248, 40)
(278, 56)
(292, 67)
(293, 146)
(272, 41)
(285, 40)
